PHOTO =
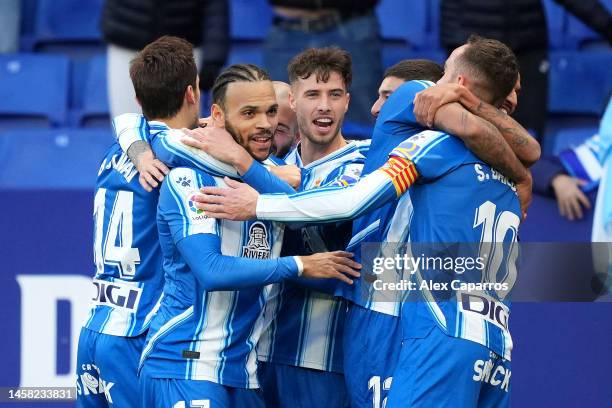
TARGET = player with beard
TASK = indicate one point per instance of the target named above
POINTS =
(200, 350)
(286, 135)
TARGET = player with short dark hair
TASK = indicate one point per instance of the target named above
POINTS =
(301, 353)
(160, 90)
(406, 70)
(129, 279)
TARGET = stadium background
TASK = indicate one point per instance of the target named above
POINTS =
(54, 130)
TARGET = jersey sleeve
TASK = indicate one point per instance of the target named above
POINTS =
(168, 148)
(129, 128)
(176, 207)
(433, 154)
(329, 204)
(397, 114)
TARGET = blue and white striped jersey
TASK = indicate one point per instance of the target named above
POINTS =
(391, 222)
(307, 331)
(461, 206)
(484, 209)
(128, 281)
(127, 256)
(201, 334)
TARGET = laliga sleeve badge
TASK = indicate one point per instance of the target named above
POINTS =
(196, 215)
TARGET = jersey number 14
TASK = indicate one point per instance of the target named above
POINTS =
(113, 244)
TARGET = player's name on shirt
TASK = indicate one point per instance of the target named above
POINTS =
(122, 164)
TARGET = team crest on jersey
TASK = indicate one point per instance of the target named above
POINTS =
(258, 246)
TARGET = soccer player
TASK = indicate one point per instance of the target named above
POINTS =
(127, 256)
(403, 71)
(301, 353)
(201, 345)
(471, 62)
(286, 135)
(129, 278)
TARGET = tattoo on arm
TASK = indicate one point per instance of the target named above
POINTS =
(490, 146)
(136, 150)
(518, 138)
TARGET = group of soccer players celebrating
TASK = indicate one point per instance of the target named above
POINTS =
(238, 281)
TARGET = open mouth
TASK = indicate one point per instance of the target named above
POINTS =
(262, 140)
(323, 124)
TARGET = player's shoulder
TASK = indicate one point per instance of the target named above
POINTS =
(417, 145)
(363, 146)
(185, 180)
(408, 90)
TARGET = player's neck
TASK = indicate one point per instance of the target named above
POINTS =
(310, 152)
(178, 121)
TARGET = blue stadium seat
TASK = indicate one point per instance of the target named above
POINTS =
(580, 81)
(404, 21)
(56, 158)
(67, 21)
(410, 29)
(34, 86)
(95, 110)
(579, 36)
(249, 19)
(246, 53)
(556, 22)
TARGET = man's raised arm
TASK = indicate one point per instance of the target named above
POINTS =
(327, 204)
(133, 135)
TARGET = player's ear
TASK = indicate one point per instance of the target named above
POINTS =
(190, 95)
(217, 115)
(348, 99)
(292, 100)
(462, 80)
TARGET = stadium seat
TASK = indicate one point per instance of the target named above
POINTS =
(56, 158)
(248, 53)
(404, 21)
(249, 19)
(95, 109)
(580, 81)
(67, 21)
(556, 22)
(579, 36)
(34, 86)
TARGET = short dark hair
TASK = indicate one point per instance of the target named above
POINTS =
(412, 69)
(321, 62)
(161, 73)
(236, 73)
(493, 62)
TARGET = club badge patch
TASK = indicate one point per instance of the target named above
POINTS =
(257, 247)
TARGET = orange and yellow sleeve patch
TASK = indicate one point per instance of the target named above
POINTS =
(401, 172)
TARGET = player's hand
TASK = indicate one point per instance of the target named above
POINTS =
(427, 102)
(524, 190)
(151, 171)
(570, 199)
(237, 202)
(290, 173)
(219, 144)
(336, 265)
